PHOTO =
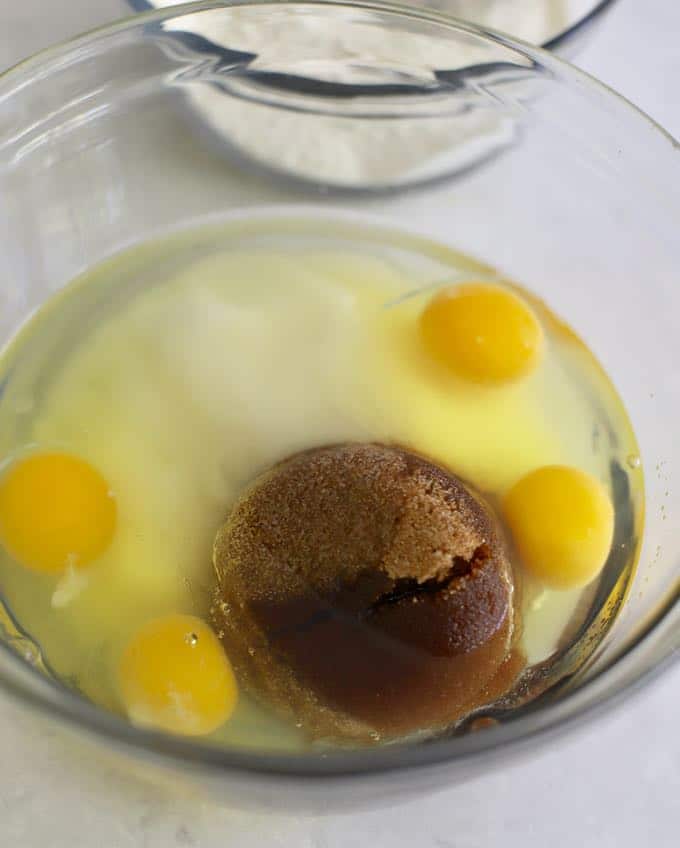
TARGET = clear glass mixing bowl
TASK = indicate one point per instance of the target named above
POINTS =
(374, 111)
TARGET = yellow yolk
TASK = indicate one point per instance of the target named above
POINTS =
(56, 511)
(483, 332)
(175, 676)
(562, 522)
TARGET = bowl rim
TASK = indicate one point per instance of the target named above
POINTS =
(565, 38)
(31, 688)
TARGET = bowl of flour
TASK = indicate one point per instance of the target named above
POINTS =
(554, 24)
(415, 108)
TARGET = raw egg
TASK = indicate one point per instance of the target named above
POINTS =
(483, 332)
(175, 676)
(56, 511)
(562, 521)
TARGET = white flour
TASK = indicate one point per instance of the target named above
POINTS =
(341, 45)
(536, 21)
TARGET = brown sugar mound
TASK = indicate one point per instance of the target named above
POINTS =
(364, 592)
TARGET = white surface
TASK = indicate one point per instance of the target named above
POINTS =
(616, 783)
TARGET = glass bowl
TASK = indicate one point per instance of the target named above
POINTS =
(519, 159)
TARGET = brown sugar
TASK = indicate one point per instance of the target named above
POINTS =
(363, 591)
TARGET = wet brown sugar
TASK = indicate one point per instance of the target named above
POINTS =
(363, 590)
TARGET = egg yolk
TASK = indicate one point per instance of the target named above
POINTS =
(56, 511)
(562, 522)
(483, 332)
(175, 676)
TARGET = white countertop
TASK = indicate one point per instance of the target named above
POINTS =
(616, 784)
